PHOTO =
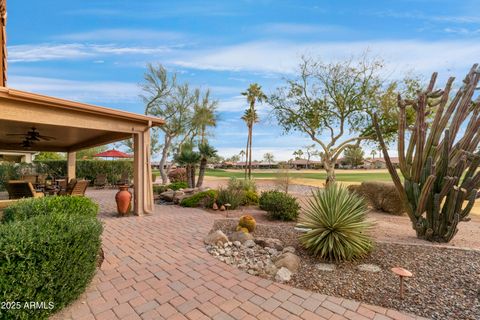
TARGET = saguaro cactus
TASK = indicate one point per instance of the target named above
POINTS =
(440, 164)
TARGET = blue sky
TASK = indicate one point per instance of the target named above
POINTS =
(95, 51)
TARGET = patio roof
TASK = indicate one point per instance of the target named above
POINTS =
(74, 125)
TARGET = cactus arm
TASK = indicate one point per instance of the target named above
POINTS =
(402, 124)
(424, 195)
(469, 206)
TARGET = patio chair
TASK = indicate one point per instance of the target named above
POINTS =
(100, 181)
(75, 188)
(124, 180)
(18, 189)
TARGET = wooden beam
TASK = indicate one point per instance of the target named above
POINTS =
(11, 147)
(71, 166)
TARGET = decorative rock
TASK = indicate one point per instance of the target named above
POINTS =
(216, 237)
(222, 208)
(179, 196)
(270, 269)
(289, 261)
(283, 275)
(241, 237)
(167, 195)
(237, 243)
(369, 267)
(288, 249)
(326, 267)
(249, 243)
(215, 206)
(270, 242)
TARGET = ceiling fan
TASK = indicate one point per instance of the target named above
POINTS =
(32, 135)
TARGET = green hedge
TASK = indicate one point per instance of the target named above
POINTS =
(8, 171)
(47, 256)
(201, 199)
(28, 208)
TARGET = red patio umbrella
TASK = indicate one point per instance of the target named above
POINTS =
(113, 154)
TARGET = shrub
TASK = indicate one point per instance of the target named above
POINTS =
(242, 185)
(177, 175)
(49, 257)
(200, 199)
(336, 219)
(248, 222)
(8, 171)
(279, 205)
(157, 188)
(382, 196)
(177, 185)
(32, 207)
(232, 196)
(250, 198)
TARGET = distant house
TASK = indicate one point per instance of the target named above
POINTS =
(256, 165)
(379, 163)
(305, 164)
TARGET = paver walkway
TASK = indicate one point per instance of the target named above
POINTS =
(156, 267)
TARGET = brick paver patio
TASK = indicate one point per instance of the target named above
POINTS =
(156, 267)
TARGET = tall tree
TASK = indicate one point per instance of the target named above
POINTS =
(204, 117)
(337, 100)
(42, 156)
(171, 101)
(189, 158)
(254, 94)
(155, 145)
(206, 152)
(353, 155)
(269, 158)
(242, 154)
(310, 151)
(90, 152)
(373, 153)
(298, 154)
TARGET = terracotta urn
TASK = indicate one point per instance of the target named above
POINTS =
(123, 198)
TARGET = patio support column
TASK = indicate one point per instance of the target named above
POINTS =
(71, 165)
(143, 192)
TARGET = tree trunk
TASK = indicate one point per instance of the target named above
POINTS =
(246, 153)
(250, 134)
(188, 171)
(163, 160)
(330, 168)
(201, 172)
(192, 175)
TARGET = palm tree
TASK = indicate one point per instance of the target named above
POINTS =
(242, 154)
(254, 94)
(373, 153)
(189, 159)
(250, 117)
(269, 158)
(298, 154)
(205, 116)
(206, 152)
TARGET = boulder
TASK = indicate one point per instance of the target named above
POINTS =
(288, 260)
(270, 269)
(270, 242)
(240, 236)
(288, 249)
(215, 206)
(283, 275)
(190, 190)
(167, 195)
(179, 196)
(216, 237)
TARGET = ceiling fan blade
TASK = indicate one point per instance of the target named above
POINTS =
(46, 138)
(17, 134)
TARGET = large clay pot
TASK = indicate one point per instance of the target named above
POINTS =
(123, 198)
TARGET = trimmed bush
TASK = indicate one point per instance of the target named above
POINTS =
(157, 188)
(279, 205)
(201, 199)
(47, 256)
(177, 175)
(232, 196)
(32, 207)
(8, 171)
(242, 184)
(337, 222)
(177, 185)
(382, 196)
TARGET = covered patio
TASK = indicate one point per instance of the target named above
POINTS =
(75, 126)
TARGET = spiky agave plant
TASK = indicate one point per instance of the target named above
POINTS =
(337, 225)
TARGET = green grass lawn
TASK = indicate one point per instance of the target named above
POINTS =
(351, 177)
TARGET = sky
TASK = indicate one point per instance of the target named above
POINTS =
(96, 51)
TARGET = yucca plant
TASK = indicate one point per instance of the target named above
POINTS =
(337, 226)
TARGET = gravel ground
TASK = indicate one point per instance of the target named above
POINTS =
(445, 285)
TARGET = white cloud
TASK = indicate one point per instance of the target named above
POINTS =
(121, 34)
(75, 51)
(283, 56)
(84, 91)
(300, 28)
